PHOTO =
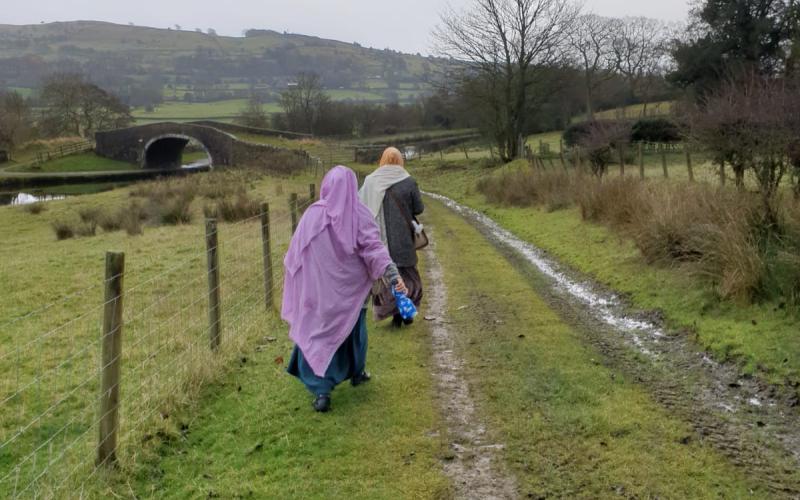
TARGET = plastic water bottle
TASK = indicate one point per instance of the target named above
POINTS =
(404, 304)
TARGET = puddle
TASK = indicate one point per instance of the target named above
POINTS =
(21, 198)
(604, 306)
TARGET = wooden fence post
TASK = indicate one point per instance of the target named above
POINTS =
(561, 155)
(722, 172)
(293, 210)
(689, 167)
(212, 251)
(641, 161)
(664, 164)
(312, 193)
(112, 352)
(266, 247)
(621, 161)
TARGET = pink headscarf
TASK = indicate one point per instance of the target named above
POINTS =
(333, 258)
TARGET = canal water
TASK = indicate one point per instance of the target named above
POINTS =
(51, 193)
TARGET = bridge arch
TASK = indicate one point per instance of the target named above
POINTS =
(166, 151)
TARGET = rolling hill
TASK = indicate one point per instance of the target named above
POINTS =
(177, 65)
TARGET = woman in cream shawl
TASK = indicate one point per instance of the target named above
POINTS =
(394, 199)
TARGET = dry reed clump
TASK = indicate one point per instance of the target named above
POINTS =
(525, 187)
(242, 208)
(710, 232)
(130, 218)
(168, 202)
(714, 231)
(64, 230)
(34, 208)
(612, 201)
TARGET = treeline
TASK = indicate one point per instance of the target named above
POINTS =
(308, 109)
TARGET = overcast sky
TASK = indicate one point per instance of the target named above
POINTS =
(402, 25)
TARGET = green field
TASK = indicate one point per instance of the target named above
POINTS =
(52, 302)
(220, 110)
(84, 162)
(631, 112)
(228, 110)
(354, 95)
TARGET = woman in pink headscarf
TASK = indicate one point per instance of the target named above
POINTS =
(334, 257)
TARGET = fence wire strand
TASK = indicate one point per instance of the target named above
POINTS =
(50, 399)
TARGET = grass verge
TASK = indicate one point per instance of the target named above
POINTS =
(255, 434)
(84, 162)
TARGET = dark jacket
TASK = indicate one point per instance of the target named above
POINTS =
(399, 236)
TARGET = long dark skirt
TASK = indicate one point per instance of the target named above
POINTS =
(350, 360)
(383, 302)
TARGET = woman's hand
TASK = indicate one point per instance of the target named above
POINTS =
(400, 286)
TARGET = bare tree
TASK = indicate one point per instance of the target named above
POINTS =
(603, 141)
(16, 122)
(754, 125)
(254, 115)
(505, 44)
(304, 103)
(71, 105)
(592, 46)
(641, 52)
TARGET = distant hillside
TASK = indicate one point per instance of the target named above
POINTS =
(191, 66)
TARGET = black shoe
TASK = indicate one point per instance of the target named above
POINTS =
(360, 379)
(397, 321)
(322, 403)
(408, 321)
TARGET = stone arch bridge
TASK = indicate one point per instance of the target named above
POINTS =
(161, 145)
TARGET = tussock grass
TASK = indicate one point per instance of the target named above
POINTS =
(241, 208)
(34, 208)
(168, 202)
(64, 230)
(715, 233)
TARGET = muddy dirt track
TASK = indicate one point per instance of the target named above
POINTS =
(473, 463)
(745, 420)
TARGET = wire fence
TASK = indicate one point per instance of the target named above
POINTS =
(60, 152)
(91, 377)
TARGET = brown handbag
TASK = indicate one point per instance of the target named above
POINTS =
(420, 238)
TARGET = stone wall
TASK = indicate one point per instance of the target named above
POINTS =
(130, 145)
(243, 129)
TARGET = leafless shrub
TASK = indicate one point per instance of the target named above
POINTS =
(603, 143)
(753, 125)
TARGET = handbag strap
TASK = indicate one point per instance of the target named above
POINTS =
(402, 211)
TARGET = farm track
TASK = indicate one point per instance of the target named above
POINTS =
(747, 421)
